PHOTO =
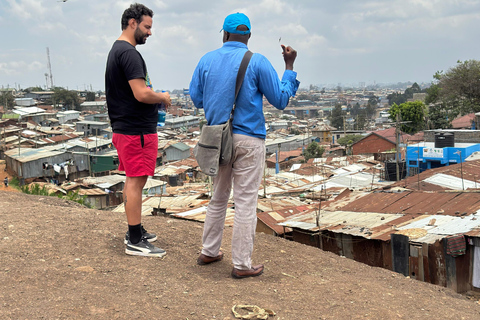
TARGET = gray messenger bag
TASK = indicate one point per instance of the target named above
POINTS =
(215, 147)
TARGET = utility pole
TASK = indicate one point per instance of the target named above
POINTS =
(49, 66)
(264, 181)
(397, 142)
(459, 152)
(397, 124)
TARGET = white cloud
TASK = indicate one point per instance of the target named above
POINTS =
(336, 40)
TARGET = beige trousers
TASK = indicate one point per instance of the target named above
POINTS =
(245, 172)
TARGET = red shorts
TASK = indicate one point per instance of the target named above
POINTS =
(137, 155)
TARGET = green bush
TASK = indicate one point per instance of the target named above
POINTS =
(35, 189)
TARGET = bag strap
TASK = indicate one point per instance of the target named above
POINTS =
(240, 76)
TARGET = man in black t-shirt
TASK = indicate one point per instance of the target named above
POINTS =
(133, 110)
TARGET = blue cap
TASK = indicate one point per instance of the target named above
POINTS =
(234, 20)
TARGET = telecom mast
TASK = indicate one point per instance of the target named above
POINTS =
(49, 66)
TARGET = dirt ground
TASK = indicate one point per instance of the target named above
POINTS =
(4, 174)
(60, 260)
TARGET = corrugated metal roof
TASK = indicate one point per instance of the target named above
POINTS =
(274, 204)
(295, 166)
(416, 202)
(451, 182)
(170, 204)
(199, 214)
(30, 154)
(356, 223)
(445, 225)
(272, 218)
(91, 192)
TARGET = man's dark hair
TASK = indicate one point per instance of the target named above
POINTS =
(136, 11)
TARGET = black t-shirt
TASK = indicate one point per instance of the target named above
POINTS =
(127, 114)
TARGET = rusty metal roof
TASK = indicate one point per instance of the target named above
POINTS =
(355, 223)
(91, 192)
(199, 214)
(272, 218)
(417, 202)
(170, 204)
(274, 204)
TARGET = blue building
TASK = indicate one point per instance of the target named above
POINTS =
(425, 155)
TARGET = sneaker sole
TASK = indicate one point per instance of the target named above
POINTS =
(125, 241)
(143, 254)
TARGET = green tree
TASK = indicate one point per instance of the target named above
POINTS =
(7, 100)
(356, 109)
(336, 118)
(399, 98)
(371, 106)
(440, 111)
(68, 98)
(34, 89)
(415, 88)
(409, 111)
(460, 87)
(361, 120)
(313, 150)
(90, 96)
(349, 139)
(396, 98)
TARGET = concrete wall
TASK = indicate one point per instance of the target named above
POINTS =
(461, 136)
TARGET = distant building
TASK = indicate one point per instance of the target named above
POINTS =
(91, 127)
(378, 141)
(177, 151)
(279, 125)
(39, 95)
(182, 122)
(24, 102)
(99, 106)
(323, 132)
(429, 155)
(68, 116)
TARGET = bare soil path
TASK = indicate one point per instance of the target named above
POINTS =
(60, 260)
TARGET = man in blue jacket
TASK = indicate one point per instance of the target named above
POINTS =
(213, 88)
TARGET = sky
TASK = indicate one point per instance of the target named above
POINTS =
(345, 42)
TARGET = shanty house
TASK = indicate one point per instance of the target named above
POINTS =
(408, 232)
(177, 151)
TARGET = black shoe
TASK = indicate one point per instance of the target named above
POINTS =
(144, 248)
(150, 236)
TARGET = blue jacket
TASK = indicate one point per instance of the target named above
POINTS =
(213, 88)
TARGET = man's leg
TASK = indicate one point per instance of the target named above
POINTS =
(247, 176)
(132, 198)
(137, 244)
(216, 212)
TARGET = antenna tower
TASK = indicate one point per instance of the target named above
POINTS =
(49, 66)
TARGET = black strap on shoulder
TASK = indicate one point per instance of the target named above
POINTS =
(241, 75)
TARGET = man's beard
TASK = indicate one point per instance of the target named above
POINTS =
(140, 37)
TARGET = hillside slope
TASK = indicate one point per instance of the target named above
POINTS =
(62, 261)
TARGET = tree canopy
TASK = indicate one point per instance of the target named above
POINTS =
(399, 98)
(7, 100)
(349, 139)
(414, 112)
(459, 87)
(336, 118)
(68, 98)
(313, 150)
